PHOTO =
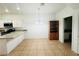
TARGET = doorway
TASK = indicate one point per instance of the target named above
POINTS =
(68, 29)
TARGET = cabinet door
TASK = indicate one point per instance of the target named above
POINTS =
(54, 36)
(51, 36)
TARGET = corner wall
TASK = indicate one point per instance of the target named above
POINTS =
(66, 12)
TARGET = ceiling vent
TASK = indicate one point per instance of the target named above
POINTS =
(42, 4)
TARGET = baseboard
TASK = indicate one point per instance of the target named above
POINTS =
(37, 38)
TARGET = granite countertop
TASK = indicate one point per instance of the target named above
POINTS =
(1, 29)
(11, 35)
(18, 31)
(16, 28)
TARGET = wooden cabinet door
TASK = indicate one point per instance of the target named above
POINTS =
(54, 36)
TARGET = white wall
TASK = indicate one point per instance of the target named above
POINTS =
(78, 33)
(75, 32)
(16, 19)
(35, 28)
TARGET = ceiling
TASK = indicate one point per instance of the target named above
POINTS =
(31, 7)
(25, 8)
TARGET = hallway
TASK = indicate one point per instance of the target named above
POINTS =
(42, 47)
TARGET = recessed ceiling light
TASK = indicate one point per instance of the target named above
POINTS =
(18, 8)
(6, 10)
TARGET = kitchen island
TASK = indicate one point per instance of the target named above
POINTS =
(10, 41)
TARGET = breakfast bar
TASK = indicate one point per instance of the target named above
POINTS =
(10, 41)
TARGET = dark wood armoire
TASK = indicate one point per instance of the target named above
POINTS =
(54, 30)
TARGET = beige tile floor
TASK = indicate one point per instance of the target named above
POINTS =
(42, 47)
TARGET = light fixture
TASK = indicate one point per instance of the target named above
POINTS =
(38, 20)
(6, 10)
(39, 17)
(18, 8)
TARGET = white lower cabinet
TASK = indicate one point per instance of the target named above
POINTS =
(13, 43)
(7, 45)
